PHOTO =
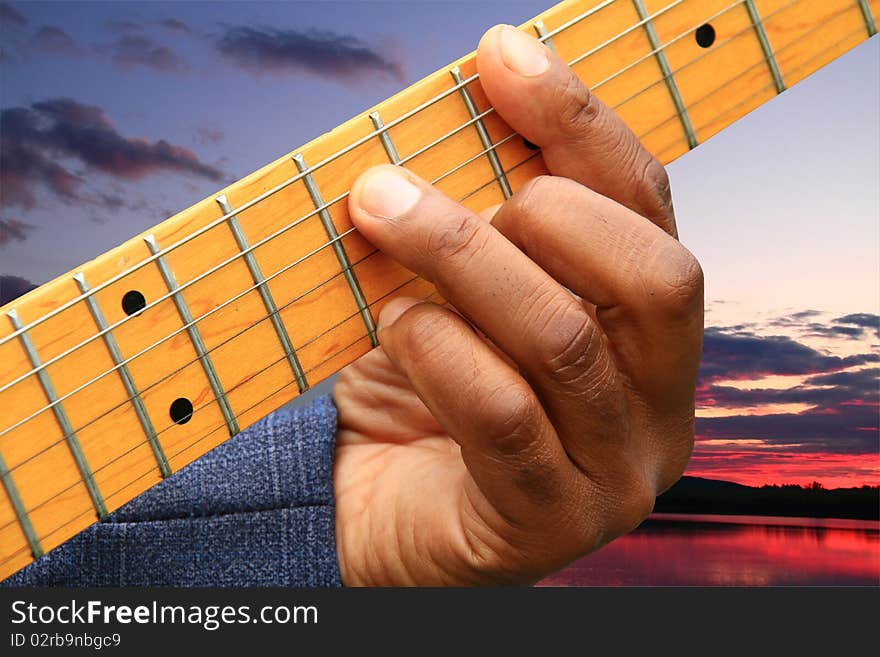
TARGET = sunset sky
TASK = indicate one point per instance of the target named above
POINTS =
(117, 115)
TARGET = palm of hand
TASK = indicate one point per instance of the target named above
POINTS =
(407, 510)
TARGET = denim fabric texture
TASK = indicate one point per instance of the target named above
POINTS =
(256, 511)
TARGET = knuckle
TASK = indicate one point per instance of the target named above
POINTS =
(640, 502)
(569, 345)
(528, 201)
(675, 455)
(628, 505)
(653, 181)
(677, 284)
(426, 335)
(510, 416)
(456, 239)
(578, 107)
(528, 208)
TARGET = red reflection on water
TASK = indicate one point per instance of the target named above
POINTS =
(681, 550)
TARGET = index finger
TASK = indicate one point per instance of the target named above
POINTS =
(519, 306)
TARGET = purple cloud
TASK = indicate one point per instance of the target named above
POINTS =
(13, 230)
(12, 287)
(850, 430)
(840, 394)
(32, 139)
(268, 50)
(132, 51)
(10, 16)
(51, 40)
(124, 26)
(208, 135)
(176, 26)
(736, 355)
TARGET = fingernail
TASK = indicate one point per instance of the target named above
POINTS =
(388, 193)
(394, 309)
(522, 54)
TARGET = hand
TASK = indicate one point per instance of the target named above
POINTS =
(464, 460)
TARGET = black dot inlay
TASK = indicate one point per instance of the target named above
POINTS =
(705, 35)
(530, 145)
(181, 410)
(133, 302)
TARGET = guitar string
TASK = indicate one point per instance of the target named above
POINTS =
(235, 257)
(328, 204)
(308, 171)
(203, 437)
(143, 351)
(289, 383)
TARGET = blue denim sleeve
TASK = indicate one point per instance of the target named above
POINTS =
(256, 511)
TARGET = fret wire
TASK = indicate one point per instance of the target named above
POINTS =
(285, 183)
(21, 512)
(765, 46)
(704, 97)
(869, 18)
(310, 341)
(765, 87)
(750, 68)
(493, 180)
(338, 248)
(385, 138)
(494, 162)
(541, 31)
(219, 307)
(134, 396)
(667, 74)
(491, 109)
(265, 293)
(195, 337)
(72, 441)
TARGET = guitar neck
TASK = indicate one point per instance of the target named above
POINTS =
(135, 364)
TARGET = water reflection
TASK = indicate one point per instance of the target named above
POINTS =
(688, 550)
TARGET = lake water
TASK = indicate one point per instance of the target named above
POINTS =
(709, 550)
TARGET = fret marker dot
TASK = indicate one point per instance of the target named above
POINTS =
(705, 35)
(133, 302)
(530, 145)
(181, 410)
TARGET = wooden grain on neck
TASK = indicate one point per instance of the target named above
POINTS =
(241, 341)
